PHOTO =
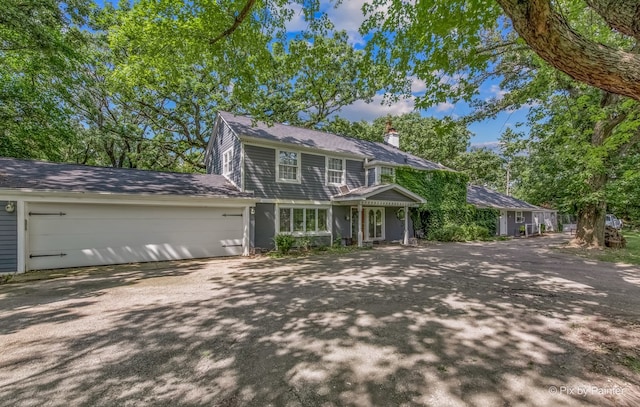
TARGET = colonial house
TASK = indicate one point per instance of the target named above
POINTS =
(316, 184)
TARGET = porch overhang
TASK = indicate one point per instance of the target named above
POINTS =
(380, 195)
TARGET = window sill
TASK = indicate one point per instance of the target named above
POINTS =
(288, 181)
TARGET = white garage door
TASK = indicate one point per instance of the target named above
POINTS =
(73, 235)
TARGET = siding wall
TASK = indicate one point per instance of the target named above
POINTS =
(394, 227)
(8, 240)
(371, 175)
(341, 226)
(265, 229)
(390, 195)
(260, 176)
(224, 139)
(355, 174)
(513, 228)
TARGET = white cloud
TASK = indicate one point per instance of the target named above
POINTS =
(489, 145)
(297, 22)
(496, 92)
(371, 111)
(418, 85)
(444, 107)
(348, 16)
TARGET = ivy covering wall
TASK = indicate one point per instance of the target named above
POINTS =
(446, 215)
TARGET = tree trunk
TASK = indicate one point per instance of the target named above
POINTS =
(591, 217)
(590, 228)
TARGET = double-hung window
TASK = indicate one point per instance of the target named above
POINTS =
(288, 166)
(387, 175)
(519, 217)
(335, 171)
(227, 162)
(303, 220)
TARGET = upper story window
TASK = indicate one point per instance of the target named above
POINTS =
(387, 175)
(288, 166)
(227, 162)
(336, 171)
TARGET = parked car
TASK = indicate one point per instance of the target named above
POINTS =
(611, 220)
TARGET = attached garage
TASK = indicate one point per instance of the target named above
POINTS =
(72, 235)
(73, 215)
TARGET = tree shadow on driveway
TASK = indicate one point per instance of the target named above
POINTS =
(500, 324)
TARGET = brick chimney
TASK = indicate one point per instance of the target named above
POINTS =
(391, 135)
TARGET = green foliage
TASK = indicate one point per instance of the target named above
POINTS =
(284, 242)
(438, 140)
(446, 215)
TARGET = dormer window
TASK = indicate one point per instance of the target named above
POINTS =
(227, 162)
(288, 168)
(336, 170)
(387, 175)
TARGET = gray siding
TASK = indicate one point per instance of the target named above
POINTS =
(341, 225)
(224, 139)
(355, 174)
(260, 176)
(371, 175)
(8, 240)
(394, 227)
(513, 228)
(391, 195)
(265, 229)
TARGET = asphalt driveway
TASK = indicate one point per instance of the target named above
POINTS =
(500, 324)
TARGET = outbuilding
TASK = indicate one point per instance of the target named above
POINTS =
(517, 217)
(63, 215)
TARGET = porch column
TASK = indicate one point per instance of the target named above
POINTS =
(406, 225)
(360, 234)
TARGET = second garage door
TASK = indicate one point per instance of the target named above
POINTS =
(74, 235)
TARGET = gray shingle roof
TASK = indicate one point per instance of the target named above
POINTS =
(41, 175)
(483, 197)
(244, 126)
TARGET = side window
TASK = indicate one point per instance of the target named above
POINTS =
(288, 168)
(227, 162)
(387, 175)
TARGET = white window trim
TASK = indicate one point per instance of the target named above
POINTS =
(379, 173)
(298, 173)
(326, 171)
(230, 162)
(317, 232)
(521, 217)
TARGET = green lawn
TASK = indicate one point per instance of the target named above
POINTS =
(630, 254)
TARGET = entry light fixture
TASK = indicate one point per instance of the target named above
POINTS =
(10, 207)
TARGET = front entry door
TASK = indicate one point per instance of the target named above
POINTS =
(503, 223)
(374, 223)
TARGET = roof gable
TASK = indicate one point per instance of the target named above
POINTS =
(328, 142)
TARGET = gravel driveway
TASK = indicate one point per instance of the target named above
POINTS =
(494, 324)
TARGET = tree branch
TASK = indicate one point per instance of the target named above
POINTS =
(621, 15)
(550, 36)
(236, 22)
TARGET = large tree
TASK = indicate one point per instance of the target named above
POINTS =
(593, 42)
(41, 45)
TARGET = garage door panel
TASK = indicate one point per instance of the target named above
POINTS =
(115, 227)
(42, 244)
(110, 234)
